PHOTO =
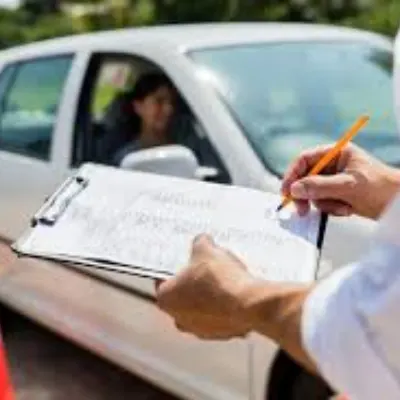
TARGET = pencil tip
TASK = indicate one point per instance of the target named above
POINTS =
(279, 208)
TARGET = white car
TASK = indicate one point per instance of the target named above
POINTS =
(252, 97)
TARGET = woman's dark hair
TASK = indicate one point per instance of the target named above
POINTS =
(121, 117)
(148, 84)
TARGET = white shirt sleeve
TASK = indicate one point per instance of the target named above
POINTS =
(351, 321)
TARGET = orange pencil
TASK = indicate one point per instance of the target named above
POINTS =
(328, 157)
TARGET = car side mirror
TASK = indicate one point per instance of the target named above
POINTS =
(173, 160)
(207, 173)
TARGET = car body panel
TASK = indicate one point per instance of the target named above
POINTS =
(105, 319)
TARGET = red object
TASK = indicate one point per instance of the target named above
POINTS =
(6, 389)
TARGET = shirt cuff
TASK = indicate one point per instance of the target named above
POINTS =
(335, 339)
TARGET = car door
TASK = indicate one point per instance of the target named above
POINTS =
(30, 94)
(214, 369)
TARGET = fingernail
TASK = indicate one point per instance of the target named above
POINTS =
(203, 239)
(299, 190)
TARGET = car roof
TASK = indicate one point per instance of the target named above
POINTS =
(195, 36)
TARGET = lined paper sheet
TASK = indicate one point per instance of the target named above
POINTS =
(146, 224)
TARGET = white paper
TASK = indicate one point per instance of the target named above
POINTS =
(149, 222)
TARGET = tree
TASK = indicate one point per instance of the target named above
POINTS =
(10, 28)
(174, 11)
(382, 16)
(40, 7)
(41, 19)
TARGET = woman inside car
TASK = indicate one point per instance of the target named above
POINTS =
(152, 108)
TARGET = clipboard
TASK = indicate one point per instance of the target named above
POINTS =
(58, 204)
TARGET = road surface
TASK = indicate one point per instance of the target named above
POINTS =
(46, 367)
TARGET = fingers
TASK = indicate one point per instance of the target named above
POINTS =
(166, 297)
(168, 291)
(303, 207)
(203, 245)
(180, 327)
(300, 167)
(336, 208)
(319, 187)
(157, 284)
(219, 335)
(203, 241)
(332, 207)
(212, 333)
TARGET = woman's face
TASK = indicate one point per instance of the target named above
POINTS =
(156, 109)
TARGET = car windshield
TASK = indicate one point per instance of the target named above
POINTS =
(288, 97)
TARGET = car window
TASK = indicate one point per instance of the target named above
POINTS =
(104, 124)
(304, 94)
(107, 77)
(115, 76)
(30, 104)
(6, 77)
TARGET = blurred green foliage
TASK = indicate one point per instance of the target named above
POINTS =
(38, 19)
(383, 17)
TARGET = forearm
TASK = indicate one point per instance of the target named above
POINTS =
(275, 311)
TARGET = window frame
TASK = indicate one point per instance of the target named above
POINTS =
(85, 99)
(16, 64)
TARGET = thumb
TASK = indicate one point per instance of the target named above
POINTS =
(202, 245)
(337, 187)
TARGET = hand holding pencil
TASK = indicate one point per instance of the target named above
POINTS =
(345, 182)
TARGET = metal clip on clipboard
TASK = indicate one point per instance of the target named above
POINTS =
(59, 202)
